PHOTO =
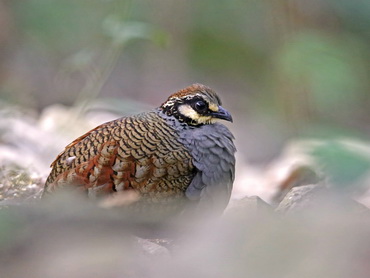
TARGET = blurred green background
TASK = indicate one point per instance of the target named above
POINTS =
(284, 69)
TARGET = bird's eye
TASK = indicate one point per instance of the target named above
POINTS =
(201, 106)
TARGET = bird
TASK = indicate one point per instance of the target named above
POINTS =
(176, 155)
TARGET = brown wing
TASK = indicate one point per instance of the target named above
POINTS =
(140, 153)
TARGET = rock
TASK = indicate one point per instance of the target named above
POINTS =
(300, 198)
(316, 197)
(152, 249)
(253, 204)
(298, 175)
(19, 185)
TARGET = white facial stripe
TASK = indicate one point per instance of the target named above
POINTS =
(188, 111)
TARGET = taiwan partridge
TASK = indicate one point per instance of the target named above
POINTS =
(173, 155)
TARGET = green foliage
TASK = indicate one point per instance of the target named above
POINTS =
(305, 61)
(122, 32)
(332, 69)
(209, 52)
(60, 25)
(355, 14)
(345, 165)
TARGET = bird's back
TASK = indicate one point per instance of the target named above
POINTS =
(141, 152)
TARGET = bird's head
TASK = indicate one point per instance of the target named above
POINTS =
(195, 105)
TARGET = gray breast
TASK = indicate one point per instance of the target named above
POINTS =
(213, 153)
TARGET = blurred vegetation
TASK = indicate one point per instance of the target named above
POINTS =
(288, 67)
(345, 165)
(285, 69)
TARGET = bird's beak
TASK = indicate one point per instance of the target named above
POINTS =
(223, 114)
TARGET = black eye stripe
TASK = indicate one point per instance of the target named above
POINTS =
(202, 103)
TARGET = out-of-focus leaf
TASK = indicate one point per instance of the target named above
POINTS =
(355, 13)
(331, 69)
(209, 52)
(123, 32)
(345, 166)
(58, 25)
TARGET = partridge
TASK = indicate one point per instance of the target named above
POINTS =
(173, 155)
